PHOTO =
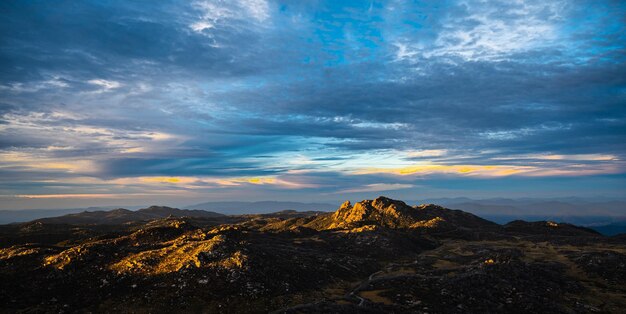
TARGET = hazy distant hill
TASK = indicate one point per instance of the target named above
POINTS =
(228, 208)
(263, 207)
(122, 215)
(606, 217)
(22, 215)
(526, 207)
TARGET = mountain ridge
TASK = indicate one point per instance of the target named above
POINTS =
(121, 215)
(260, 207)
(379, 212)
(386, 212)
(376, 256)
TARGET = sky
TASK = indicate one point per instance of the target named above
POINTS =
(177, 102)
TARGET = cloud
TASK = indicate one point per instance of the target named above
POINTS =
(104, 84)
(81, 196)
(217, 13)
(488, 31)
(427, 153)
(316, 97)
(572, 157)
(377, 187)
(530, 169)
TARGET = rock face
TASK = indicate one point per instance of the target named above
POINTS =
(376, 256)
(381, 211)
(385, 212)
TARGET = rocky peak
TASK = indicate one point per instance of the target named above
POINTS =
(390, 213)
(382, 202)
(382, 210)
(346, 205)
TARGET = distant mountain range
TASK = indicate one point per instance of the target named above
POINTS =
(121, 215)
(262, 207)
(535, 207)
(607, 217)
(227, 208)
(22, 215)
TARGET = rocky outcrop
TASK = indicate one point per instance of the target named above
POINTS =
(389, 213)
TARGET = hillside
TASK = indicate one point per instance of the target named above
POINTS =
(376, 256)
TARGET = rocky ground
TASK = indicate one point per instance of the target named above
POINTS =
(376, 256)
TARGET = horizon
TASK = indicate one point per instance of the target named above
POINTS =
(105, 103)
(564, 208)
(331, 202)
(604, 216)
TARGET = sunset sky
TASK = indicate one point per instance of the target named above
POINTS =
(176, 102)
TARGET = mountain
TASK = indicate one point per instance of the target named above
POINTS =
(262, 207)
(385, 212)
(548, 228)
(525, 207)
(607, 217)
(610, 228)
(376, 256)
(120, 215)
(23, 215)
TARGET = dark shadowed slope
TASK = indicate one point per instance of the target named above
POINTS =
(548, 228)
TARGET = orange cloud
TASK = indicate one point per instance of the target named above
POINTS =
(84, 196)
(482, 170)
(495, 170)
(167, 179)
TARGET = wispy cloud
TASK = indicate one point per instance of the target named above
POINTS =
(377, 187)
(487, 31)
(104, 84)
(218, 13)
(427, 153)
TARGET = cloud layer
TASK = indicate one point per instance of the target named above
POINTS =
(275, 100)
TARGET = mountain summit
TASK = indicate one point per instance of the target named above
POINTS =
(390, 213)
(383, 211)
